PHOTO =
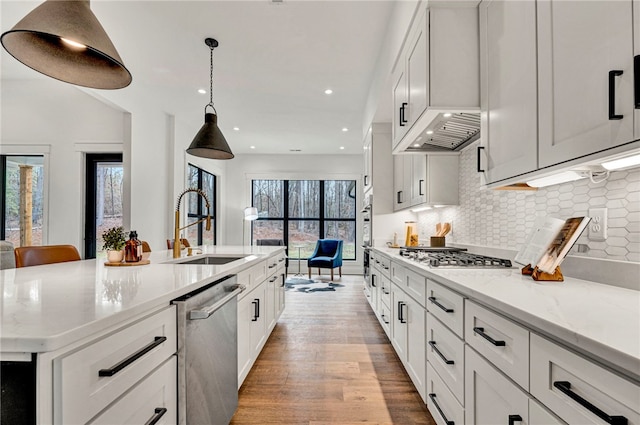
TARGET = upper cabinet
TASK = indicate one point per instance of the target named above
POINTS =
(557, 84)
(508, 88)
(436, 72)
(585, 77)
(368, 161)
(378, 167)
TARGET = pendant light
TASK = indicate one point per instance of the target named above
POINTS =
(64, 40)
(209, 142)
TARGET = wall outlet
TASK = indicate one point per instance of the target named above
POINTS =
(598, 224)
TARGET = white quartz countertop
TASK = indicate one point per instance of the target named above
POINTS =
(602, 321)
(47, 307)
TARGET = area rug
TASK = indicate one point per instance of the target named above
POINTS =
(310, 285)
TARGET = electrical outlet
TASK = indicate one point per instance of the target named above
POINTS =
(598, 224)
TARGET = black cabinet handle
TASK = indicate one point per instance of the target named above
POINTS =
(479, 169)
(256, 309)
(132, 358)
(420, 183)
(384, 319)
(273, 265)
(480, 331)
(514, 418)
(612, 95)
(284, 278)
(402, 111)
(565, 388)
(400, 315)
(636, 80)
(432, 396)
(399, 196)
(365, 180)
(373, 280)
(158, 413)
(444, 359)
(434, 301)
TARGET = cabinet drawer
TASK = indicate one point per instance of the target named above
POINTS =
(272, 265)
(445, 353)
(397, 274)
(416, 286)
(538, 415)
(385, 291)
(503, 342)
(443, 406)
(153, 398)
(384, 265)
(558, 376)
(80, 391)
(447, 306)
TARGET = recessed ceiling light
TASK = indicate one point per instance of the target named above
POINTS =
(447, 115)
(429, 131)
(236, 128)
(328, 91)
(341, 147)
(345, 129)
(252, 147)
(202, 91)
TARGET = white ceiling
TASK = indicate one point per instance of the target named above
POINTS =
(270, 71)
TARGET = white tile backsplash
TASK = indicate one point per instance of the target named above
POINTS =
(497, 218)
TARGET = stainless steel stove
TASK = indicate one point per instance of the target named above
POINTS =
(452, 257)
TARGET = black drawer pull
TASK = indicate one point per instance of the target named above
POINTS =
(384, 319)
(432, 396)
(479, 169)
(514, 418)
(434, 301)
(158, 413)
(256, 309)
(612, 95)
(444, 359)
(565, 387)
(132, 358)
(480, 331)
(400, 315)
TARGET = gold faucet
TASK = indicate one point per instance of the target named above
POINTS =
(177, 228)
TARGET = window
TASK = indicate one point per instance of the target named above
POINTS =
(302, 211)
(22, 195)
(196, 207)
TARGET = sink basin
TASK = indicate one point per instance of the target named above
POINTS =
(213, 259)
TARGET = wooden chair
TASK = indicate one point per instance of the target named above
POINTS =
(36, 255)
(183, 241)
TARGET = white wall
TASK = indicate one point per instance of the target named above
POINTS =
(68, 122)
(243, 168)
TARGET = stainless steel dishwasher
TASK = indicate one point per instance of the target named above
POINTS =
(208, 353)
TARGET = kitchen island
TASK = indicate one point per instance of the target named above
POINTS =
(55, 316)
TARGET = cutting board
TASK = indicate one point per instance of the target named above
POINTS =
(124, 263)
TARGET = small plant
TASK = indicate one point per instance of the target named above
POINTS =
(114, 239)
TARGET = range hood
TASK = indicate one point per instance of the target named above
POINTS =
(447, 132)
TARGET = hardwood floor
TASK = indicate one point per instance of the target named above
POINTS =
(328, 361)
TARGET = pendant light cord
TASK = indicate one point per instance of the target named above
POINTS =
(211, 83)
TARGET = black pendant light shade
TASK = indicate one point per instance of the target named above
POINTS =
(209, 142)
(64, 40)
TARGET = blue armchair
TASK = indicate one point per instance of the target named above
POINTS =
(327, 255)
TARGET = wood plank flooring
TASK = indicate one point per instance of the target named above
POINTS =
(328, 361)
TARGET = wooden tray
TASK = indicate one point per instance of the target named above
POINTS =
(124, 263)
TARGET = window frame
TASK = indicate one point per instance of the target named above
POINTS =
(200, 208)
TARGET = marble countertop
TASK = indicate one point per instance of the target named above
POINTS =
(601, 321)
(45, 308)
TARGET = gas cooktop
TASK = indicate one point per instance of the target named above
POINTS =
(453, 258)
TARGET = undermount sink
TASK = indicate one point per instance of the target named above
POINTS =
(213, 259)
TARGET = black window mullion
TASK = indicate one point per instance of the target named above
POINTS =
(285, 211)
(3, 195)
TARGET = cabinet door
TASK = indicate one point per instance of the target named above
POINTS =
(271, 301)
(368, 161)
(399, 102)
(399, 322)
(399, 196)
(415, 363)
(579, 43)
(281, 294)
(258, 320)
(418, 179)
(490, 398)
(508, 88)
(245, 315)
(418, 70)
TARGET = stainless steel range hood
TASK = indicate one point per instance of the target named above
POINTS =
(447, 132)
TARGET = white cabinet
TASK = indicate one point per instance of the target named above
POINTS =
(538, 415)
(580, 44)
(444, 407)
(368, 161)
(508, 88)
(437, 70)
(578, 390)
(425, 179)
(408, 336)
(446, 305)
(490, 398)
(445, 353)
(86, 381)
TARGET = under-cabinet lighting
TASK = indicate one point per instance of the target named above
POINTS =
(626, 162)
(420, 209)
(564, 177)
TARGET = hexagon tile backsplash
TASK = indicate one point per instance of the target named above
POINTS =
(503, 218)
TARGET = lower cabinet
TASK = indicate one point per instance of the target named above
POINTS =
(491, 398)
(251, 329)
(408, 336)
(444, 407)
